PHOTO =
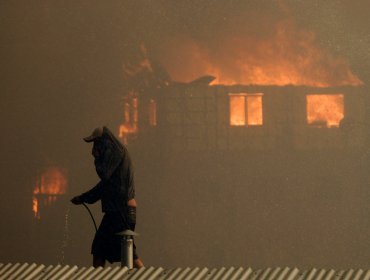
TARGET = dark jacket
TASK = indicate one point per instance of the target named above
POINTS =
(115, 171)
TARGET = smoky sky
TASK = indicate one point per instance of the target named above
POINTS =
(62, 62)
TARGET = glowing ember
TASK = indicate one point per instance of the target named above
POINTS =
(325, 110)
(246, 109)
(52, 182)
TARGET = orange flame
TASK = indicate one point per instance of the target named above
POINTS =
(130, 118)
(325, 110)
(245, 109)
(237, 110)
(288, 56)
(35, 207)
(52, 182)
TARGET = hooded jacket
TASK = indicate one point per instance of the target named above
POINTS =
(114, 168)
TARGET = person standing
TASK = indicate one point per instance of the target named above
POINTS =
(116, 191)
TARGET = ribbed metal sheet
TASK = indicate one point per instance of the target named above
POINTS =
(41, 272)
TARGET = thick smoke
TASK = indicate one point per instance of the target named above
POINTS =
(66, 66)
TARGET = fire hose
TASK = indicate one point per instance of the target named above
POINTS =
(91, 215)
(126, 243)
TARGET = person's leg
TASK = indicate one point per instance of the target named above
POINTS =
(98, 261)
(138, 263)
(98, 244)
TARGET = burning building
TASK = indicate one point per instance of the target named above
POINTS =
(245, 135)
(260, 91)
(248, 131)
(202, 116)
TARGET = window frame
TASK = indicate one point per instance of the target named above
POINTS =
(246, 109)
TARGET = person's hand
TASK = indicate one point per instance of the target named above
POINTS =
(76, 200)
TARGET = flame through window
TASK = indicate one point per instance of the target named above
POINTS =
(325, 110)
(51, 183)
(246, 109)
(130, 117)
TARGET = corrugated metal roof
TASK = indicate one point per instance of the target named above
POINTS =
(41, 272)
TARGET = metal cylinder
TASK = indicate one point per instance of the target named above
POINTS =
(127, 250)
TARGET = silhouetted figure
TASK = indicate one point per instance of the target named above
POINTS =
(116, 190)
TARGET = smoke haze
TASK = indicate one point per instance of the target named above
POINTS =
(64, 68)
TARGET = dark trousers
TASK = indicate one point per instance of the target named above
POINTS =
(106, 243)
